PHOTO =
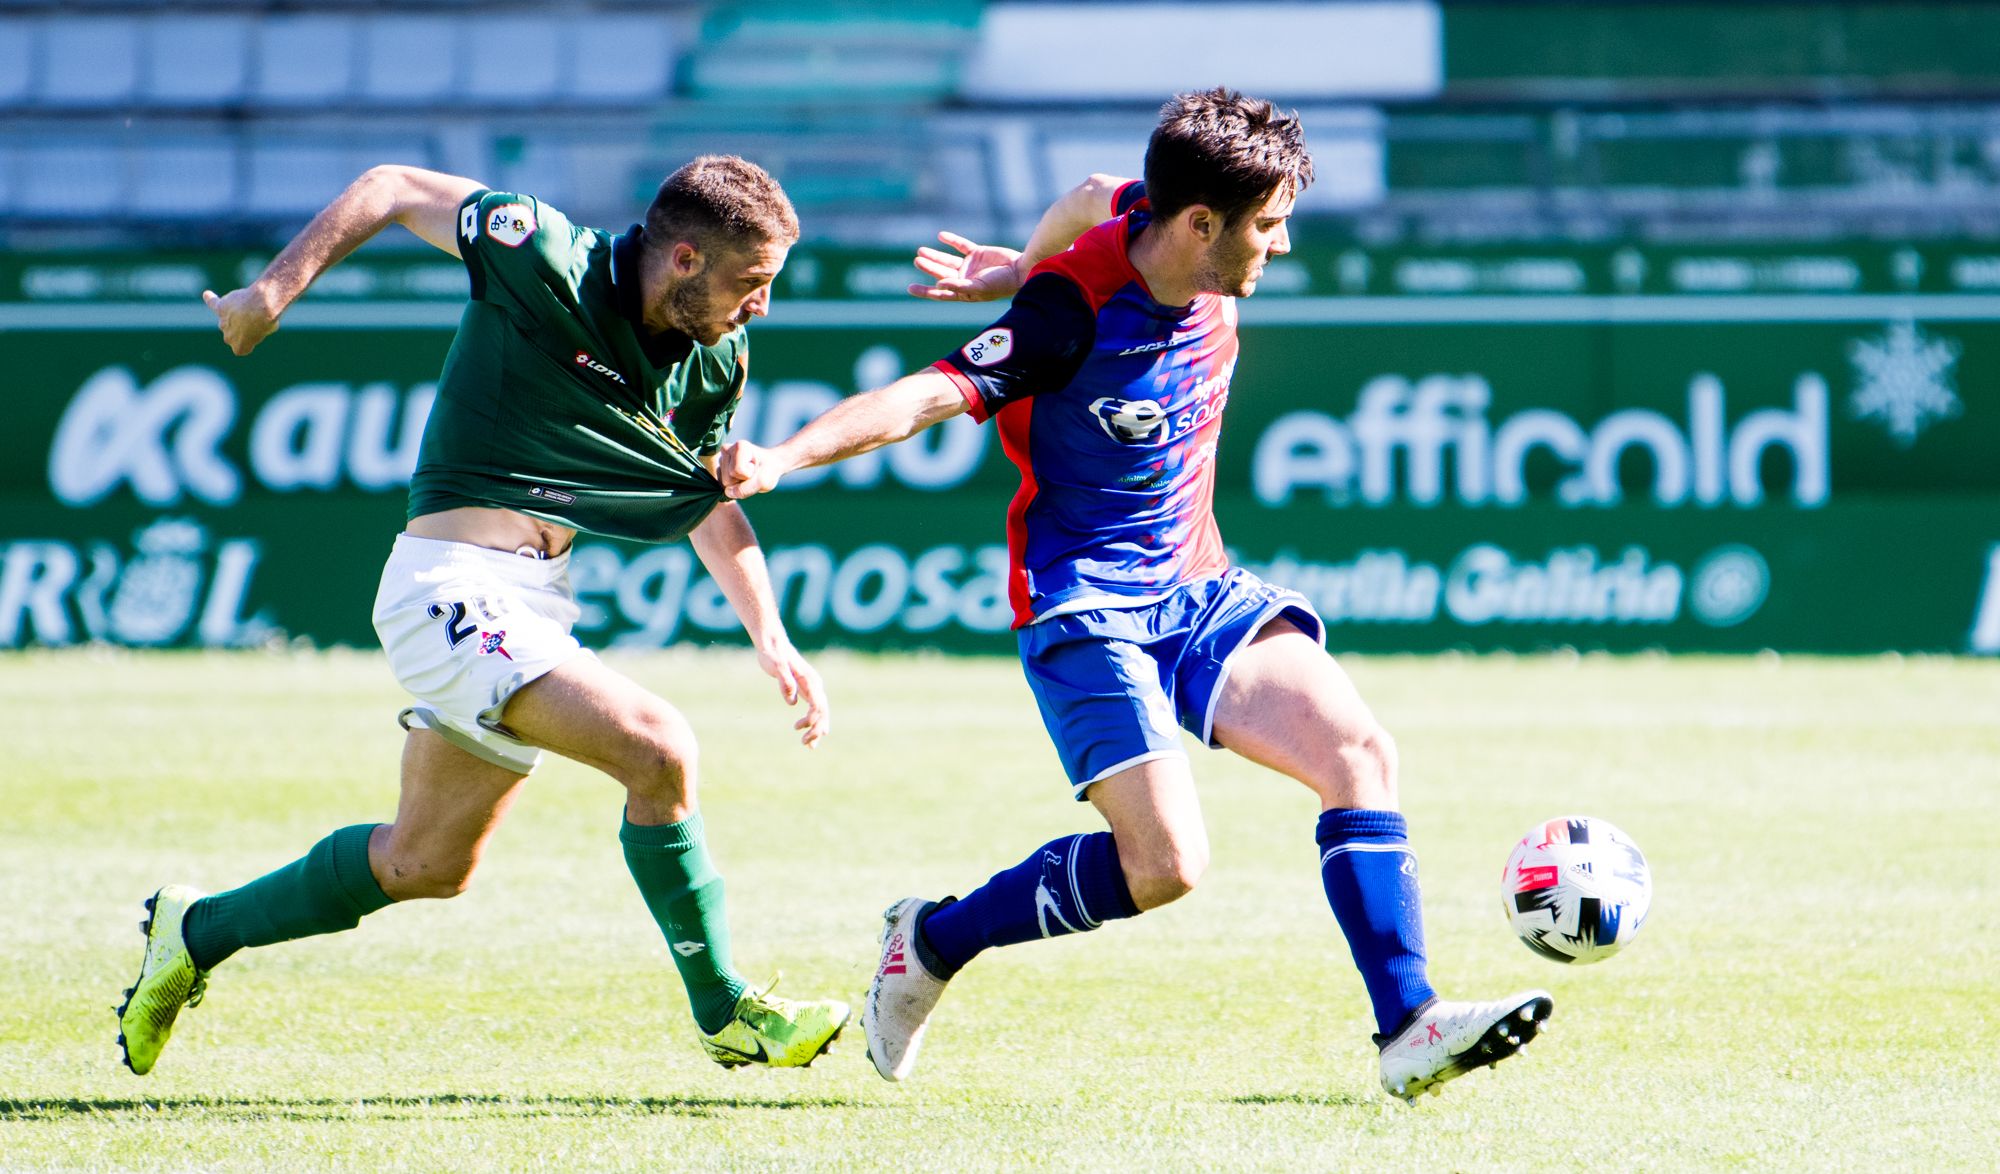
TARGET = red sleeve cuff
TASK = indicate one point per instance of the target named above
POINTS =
(973, 400)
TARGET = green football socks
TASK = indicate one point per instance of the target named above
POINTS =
(671, 865)
(327, 890)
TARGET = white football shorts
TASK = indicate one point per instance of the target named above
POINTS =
(465, 628)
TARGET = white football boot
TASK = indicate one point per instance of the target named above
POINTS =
(901, 995)
(1445, 1040)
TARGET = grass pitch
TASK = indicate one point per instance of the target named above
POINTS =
(1816, 989)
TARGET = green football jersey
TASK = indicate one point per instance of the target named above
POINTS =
(555, 400)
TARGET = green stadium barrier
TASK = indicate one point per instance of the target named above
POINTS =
(1760, 467)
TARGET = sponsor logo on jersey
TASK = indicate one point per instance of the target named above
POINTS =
(992, 347)
(583, 360)
(1132, 421)
(1146, 347)
(555, 495)
(510, 224)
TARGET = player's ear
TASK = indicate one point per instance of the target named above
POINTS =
(1203, 221)
(684, 260)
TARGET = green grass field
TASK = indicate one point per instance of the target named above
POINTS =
(1818, 986)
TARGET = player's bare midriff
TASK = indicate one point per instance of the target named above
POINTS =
(515, 533)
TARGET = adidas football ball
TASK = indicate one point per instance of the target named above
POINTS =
(1576, 889)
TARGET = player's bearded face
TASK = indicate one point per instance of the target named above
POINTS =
(732, 288)
(1237, 257)
(1234, 264)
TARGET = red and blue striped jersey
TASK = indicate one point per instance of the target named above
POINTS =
(1110, 405)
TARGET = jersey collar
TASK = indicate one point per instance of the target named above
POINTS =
(1135, 222)
(665, 348)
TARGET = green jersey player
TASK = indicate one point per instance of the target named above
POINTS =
(587, 390)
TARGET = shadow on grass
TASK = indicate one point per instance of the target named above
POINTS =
(1317, 1100)
(393, 1108)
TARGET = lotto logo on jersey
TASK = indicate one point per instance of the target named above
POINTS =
(584, 360)
(992, 347)
(510, 224)
(1132, 421)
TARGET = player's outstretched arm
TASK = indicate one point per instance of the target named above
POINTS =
(425, 202)
(985, 273)
(727, 547)
(853, 426)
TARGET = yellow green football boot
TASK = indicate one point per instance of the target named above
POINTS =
(781, 1033)
(167, 982)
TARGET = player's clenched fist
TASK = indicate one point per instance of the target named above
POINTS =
(746, 470)
(246, 317)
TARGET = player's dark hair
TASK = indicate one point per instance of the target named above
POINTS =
(718, 201)
(1224, 150)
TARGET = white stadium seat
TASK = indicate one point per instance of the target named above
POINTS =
(69, 180)
(513, 59)
(17, 60)
(409, 60)
(294, 178)
(304, 61)
(89, 61)
(196, 60)
(184, 179)
(620, 60)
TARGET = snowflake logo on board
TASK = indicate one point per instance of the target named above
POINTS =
(1903, 380)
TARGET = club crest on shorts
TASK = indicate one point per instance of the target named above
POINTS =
(510, 224)
(992, 347)
(492, 642)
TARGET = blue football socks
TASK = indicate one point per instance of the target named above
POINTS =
(1068, 886)
(1370, 876)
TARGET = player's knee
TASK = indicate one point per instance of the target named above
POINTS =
(410, 878)
(450, 883)
(1166, 875)
(1365, 774)
(664, 754)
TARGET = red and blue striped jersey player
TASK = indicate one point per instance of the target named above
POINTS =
(1107, 378)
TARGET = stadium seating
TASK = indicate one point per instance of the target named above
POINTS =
(191, 178)
(57, 178)
(88, 62)
(195, 61)
(17, 60)
(303, 60)
(117, 116)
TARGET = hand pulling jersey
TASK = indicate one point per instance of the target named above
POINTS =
(1110, 404)
(555, 401)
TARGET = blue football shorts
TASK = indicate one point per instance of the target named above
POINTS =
(1113, 683)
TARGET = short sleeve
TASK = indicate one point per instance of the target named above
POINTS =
(1037, 345)
(514, 246)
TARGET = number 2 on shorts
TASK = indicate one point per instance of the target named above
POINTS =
(455, 627)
